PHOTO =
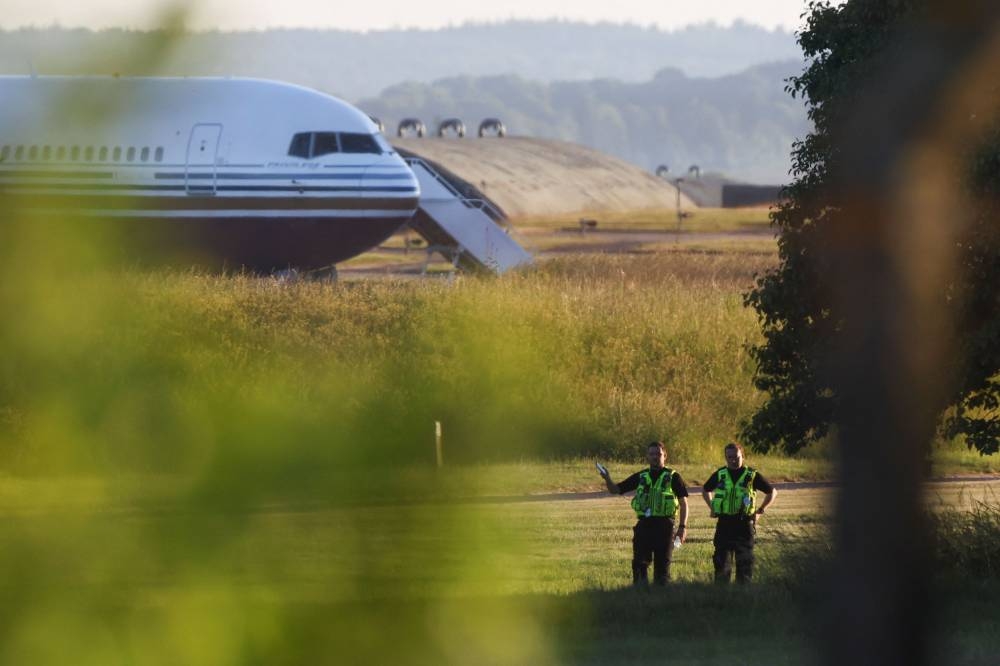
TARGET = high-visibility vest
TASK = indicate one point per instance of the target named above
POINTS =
(735, 498)
(655, 499)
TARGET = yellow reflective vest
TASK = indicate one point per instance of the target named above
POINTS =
(655, 499)
(735, 498)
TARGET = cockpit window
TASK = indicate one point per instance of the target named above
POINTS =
(300, 145)
(384, 144)
(359, 143)
(325, 143)
(308, 145)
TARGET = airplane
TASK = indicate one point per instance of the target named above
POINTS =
(229, 173)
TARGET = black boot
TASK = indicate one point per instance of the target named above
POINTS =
(640, 574)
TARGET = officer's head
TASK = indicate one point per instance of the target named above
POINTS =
(734, 455)
(656, 454)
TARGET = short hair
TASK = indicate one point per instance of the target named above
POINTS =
(658, 445)
(735, 445)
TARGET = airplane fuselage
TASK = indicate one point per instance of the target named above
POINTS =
(223, 172)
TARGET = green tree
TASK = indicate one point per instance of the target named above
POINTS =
(799, 320)
(976, 411)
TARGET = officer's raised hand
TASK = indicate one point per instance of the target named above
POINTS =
(606, 475)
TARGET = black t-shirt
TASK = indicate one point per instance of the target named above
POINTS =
(632, 482)
(759, 482)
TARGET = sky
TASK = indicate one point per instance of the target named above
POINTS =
(387, 14)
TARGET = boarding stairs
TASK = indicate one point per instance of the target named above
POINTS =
(466, 230)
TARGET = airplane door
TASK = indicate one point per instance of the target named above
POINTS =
(202, 150)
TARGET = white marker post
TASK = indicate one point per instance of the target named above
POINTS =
(437, 443)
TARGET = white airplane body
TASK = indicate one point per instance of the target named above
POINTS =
(240, 172)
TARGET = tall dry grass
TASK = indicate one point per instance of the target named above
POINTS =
(583, 355)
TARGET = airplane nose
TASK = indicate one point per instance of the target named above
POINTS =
(390, 183)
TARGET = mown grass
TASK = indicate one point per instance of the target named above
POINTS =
(501, 583)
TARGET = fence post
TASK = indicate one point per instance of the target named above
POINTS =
(437, 444)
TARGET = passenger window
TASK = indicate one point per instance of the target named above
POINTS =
(19, 153)
(88, 153)
(159, 154)
(130, 155)
(60, 153)
(359, 143)
(300, 145)
(325, 143)
(144, 156)
(33, 153)
(4, 153)
(46, 152)
(102, 154)
(74, 153)
(117, 154)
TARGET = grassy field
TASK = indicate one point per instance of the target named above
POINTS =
(592, 356)
(583, 356)
(206, 469)
(167, 577)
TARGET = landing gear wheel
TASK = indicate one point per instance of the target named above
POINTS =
(328, 274)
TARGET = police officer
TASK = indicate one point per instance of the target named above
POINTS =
(731, 495)
(660, 498)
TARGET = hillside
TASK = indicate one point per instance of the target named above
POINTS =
(535, 177)
(742, 125)
(354, 65)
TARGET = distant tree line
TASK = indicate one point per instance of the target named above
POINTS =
(354, 65)
(630, 91)
(742, 125)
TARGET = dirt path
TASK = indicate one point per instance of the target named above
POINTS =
(556, 242)
(958, 492)
(565, 241)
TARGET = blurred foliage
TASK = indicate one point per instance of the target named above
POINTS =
(176, 424)
(166, 435)
(976, 413)
(794, 304)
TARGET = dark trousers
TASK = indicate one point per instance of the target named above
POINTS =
(734, 537)
(652, 541)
